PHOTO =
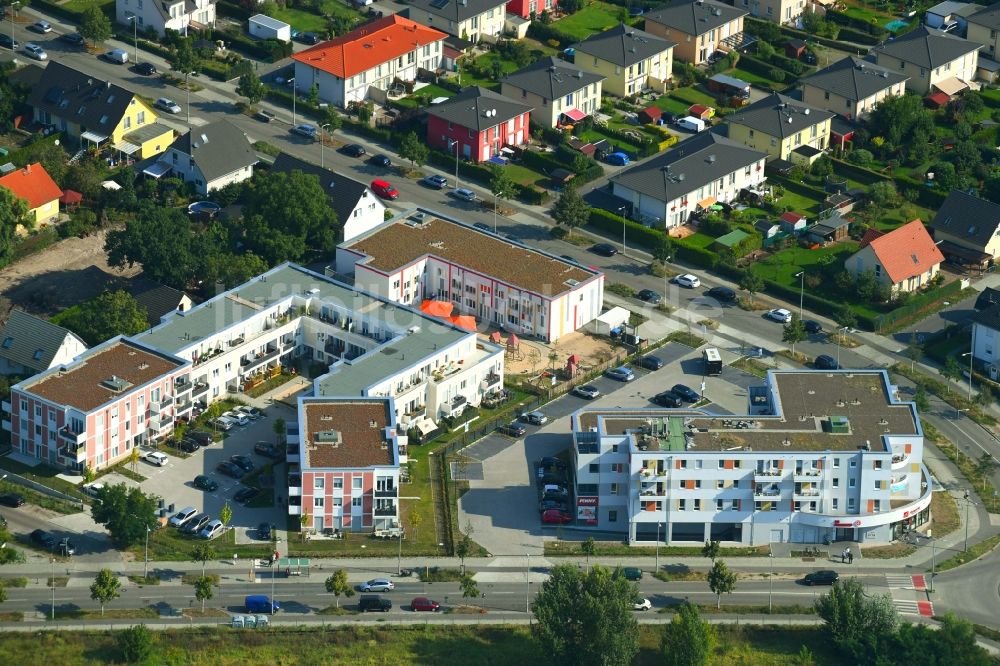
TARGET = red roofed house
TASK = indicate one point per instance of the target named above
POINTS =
(373, 56)
(34, 185)
(905, 259)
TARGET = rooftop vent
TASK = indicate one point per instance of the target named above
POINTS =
(116, 383)
(711, 159)
(373, 424)
(330, 437)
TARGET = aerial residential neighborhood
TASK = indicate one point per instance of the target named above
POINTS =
(544, 329)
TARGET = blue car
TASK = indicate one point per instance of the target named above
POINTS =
(617, 159)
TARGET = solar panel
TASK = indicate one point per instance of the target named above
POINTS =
(439, 4)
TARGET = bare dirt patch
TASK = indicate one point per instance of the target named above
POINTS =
(532, 357)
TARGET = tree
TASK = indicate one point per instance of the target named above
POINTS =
(126, 513)
(279, 430)
(106, 587)
(586, 618)
(3, 593)
(951, 369)
(711, 550)
(953, 643)
(794, 331)
(464, 546)
(663, 249)
(415, 520)
(161, 240)
(751, 283)
(133, 458)
(94, 24)
(186, 60)
(468, 586)
(721, 581)
(588, 547)
(883, 194)
(314, 94)
(845, 317)
(502, 187)
(225, 515)
(203, 590)
(110, 314)
(687, 640)
(287, 213)
(855, 621)
(12, 212)
(985, 466)
(203, 552)
(413, 149)
(921, 400)
(337, 585)
(251, 87)
(570, 209)
(135, 643)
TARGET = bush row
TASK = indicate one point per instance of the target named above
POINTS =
(232, 10)
(858, 173)
(758, 26)
(857, 24)
(637, 234)
(50, 7)
(852, 35)
(543, 33)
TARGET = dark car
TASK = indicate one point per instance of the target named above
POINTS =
(203, 482)
(512, 430)
(546, 505)
(264, 115)
(267, 449)
(686, 393)
(353, 150)
(651, 362)
(668, 399)
(309, 38)
(7, 42)
(188, 445)
(12, 500)
(245, 495)
(649, 296)
(230, 469)
(74, 38)
(825, 577)
(424, 604)
(145, 68)
(724, 294)
(632, 573)
(812, 326)
(825, 362)
(604, 249)
(373, 603)
(203, 438)
(40, 538)
(380, 161)
(551, 462)
(243, 462)
(264, 531)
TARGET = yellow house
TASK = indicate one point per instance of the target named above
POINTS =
(97, 113)
(701, 27)
(780, 125)
(934, 60)
(35, 186)
(629, 59)
(984, 28)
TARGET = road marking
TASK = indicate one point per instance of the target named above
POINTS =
(900, 581)
(919, 583)
(926, 608)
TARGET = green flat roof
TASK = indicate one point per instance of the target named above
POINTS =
(732, 238)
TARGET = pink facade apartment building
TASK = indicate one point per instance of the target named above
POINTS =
(94, 411)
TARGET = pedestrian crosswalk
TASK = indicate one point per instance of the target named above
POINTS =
(900, 581)
(912, 607)
(906, 591)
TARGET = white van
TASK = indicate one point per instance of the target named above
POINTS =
(117, 56)
(692, 124)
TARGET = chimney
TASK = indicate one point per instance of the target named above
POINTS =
(27, 169)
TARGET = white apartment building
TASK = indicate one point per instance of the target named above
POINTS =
(161, 15)
(420, 255)
(819, 455)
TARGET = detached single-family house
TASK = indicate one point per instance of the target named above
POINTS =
(629, 59)
(469, 19)
(986, 338)
(158, 299)
(358, 209)
(211, 156)
(851, 86)
(934, 60)
(29, 345)
(477, 123)
(525, 8)
(951, 16)
(162, 15)
(695, 174)
(699, 27)
(904, 259)
(778, 11)
(369, 59)
(968, 230)
(984, 28)
(559, 92)
(779, 125)
(97, 113)
(35, 186)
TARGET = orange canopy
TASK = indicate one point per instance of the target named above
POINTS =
(467, 322)
(437, 308)
(495, 336)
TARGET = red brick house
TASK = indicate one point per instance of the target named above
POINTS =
(478, 123)
(525, 8)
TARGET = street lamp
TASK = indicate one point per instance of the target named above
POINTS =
(294, 95)
(843, 329)
(969, 354)
(135, 36)
(322, 161)
(968, 503)
(13, 10)
(770, 581)
(527, 586)
(657, 545)
(621, 211)
(52, 584)
(454, 142)
(802, 287)
(933, 553)
(145, 561)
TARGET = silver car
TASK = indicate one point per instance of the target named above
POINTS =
(168, 105)
(35, 51)
(378, 585)
(308, 131)
(464, 194)
(211, 530)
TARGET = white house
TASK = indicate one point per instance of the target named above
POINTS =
(986, 339)
(468, 19)
(697, 173)
(211, 156)
(420, 255)
(29, 345)
(903, 259)
(373, 56)
(161, 15)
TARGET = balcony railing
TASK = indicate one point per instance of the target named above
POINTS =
(6, 406)
(71, 436)
(199, 389)
(258, 360)
(73, 451)
(385, 511)
(386, 492)
(767, 492)
(493, 379)
(807, 492)
(768, 473)
(182, 386)
(812, 473)
(899, 461)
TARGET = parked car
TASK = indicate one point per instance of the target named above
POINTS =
(145, 69)
(423, 604)
(824, 577)
(435, 181)
(587, 391)
(267, 449)
(812, 326)
(41, 27)
(243, 462)
(724, 294)
(203, 438)
(306, 130)
(251, 413)
(260, 603)
(551, 462)
(384, 189)
(168, 105)
(203, 482)
(195, 524)
(117, 56)
(512, 430)
(239, 417)
(651, 362)
(353, 150)
(183, 516)
(380, 160)
(642, 604)
(686, 393)
(188, 445)
(211, 530)
(264, 531)
(649, 296)
(378, 585)
(617, 158)
(12, 500)
(92, 489)
(556, 517)
(40, 537)
(668, 399)
(549, 504)
(620, 374)
(535, 418)
(73, 38)
(310, 38)
(826, 362)
(604, 249)
(156, 458)
(482, 226)
(52, 543)
(230, 469)
(374, 603)
(632, 573)
(687, 280)
(264, 115)
(780, 315)
(7, 42)
(244, 495)
(35, 51)
(464, 194)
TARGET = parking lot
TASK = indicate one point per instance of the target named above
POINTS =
(502, 502)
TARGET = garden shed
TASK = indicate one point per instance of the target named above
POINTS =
(832, 229)
(701, 111)
(732, 239)
(265, 27)
(650, 115)
(792, 222)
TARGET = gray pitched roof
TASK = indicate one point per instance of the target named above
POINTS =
(854, 79)
(967, 217)
(342, 192)
(987, 297)
(927, 47)
(989, 17)
(551, 78)
(217, 148)
(453, 10)
(80, 98)
(32, 342)
(158, 299)
(990, 317)
(478, 108)
(779, 115)
(623, 45)
(695, 17)
(694, 163)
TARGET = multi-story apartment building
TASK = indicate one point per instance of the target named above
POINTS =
(629, 59)
(419, 255)
(851, 87)
(94, 411)
(478, 123)
(467, 19)
(700, 28)
(559, 91)
(780, 125)
(932, 59)
(349, 452)
(374, 56)
(819, 455)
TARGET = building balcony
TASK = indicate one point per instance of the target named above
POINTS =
(492, 380)
(807, 475)
(183, 407)
(294, 509)
(807, 492)
(247, 365)
(294, 491)
(899, 484)
(767, 475)
(6, 425)
(770, 491)
(387, 492)
(198, 389)
(385, 511)
(182, 386)
(292, 453)
(6, 406)
(67, 434)
(648, 474)
(74, 452)
(900, 461)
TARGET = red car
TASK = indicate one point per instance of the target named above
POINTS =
(556, 517)
(424, 604)
(384, 189)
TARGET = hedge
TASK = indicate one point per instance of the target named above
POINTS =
(543, 33)
(859, 37)
(857, 24)
(753, 26)
(542, 162)
(758, 67)
(50, 7)
(232, 10)
(858, 173)
(637, 234)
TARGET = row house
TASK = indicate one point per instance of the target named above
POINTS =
(559, 91)
(478, 124)
(699, 27)
(780, 126)
(629, 59)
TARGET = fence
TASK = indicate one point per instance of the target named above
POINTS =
(39, 487)
(916, 305)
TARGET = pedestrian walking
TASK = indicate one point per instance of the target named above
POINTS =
(850, 556)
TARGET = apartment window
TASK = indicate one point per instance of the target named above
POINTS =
(719, 485)
(338, 483)
(338, 501)
(877, 464)
(356, 483)
(617, 467)
(878, 485)
(835, 503)
(836, 483)
(614, 488)
(356, 501)
(854, 463)
(751, 134)
(569, 99)
(697, 505)
(683, 463)
(718, 505)
(319, 483)
(850, 504)
(594, 468)
(318, 502)
(836, 463)
(612, 516)
(851, 483)
(682, 505)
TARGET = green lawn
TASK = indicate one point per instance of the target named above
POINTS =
(428, 92)
(782, 266)
(595, 17)
(800, 203)
(699, 240)
(596, 134)
(522, 174)
(867, 13)
(301, 20)
(671, 105)
(77, 6)
(692, 95)
(756, 79)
